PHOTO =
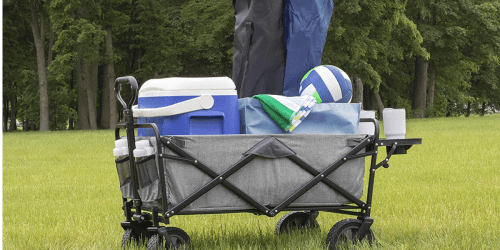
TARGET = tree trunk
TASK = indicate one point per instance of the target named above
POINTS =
(38, 35)
(483, 109)
(94, 83)
(419, 88)
(432, 84)
(357, 90)
(432, 67)
(88, 82)
(50, 53)
(380, 105)
(468, 109)
(368, 100)
(83, 111)
(5, 113)
(104, 121)
(13, 113)
(72, 103)
(109, 82)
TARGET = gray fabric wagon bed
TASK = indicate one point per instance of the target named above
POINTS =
(269, 178)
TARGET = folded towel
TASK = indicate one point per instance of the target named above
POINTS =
(287, 112)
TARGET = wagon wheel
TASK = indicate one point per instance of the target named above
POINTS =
(297, 220)
(179, 238)
(129, 237)
(344, 232)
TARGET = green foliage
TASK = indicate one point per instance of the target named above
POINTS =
(366, 37)
(484, 49)
(28, 97)
(209, 26)
(376, 40)
(76, 26)
(61, 97)
(19, 77)
(158, 39)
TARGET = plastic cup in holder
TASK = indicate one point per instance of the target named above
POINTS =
(366, 127)
(394, 123)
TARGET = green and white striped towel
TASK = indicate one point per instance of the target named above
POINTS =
(287, 112)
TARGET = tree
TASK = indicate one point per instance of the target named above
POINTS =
(113, 20)
(448, 27)
(434, 57)
(366, 38)
(209, 26)
(37, 23)
(78, 37)
(483, 47)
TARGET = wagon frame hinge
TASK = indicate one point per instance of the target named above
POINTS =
(385, 162)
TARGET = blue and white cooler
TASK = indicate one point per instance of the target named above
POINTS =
(189, 106)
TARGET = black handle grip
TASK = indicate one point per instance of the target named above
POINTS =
(133, 84)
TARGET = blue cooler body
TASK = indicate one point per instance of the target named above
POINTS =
(189, 106)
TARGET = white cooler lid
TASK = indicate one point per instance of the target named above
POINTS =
(188, 83)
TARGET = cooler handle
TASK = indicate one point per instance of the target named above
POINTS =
(197, 103)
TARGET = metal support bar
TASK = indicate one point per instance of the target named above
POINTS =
(356, 156)
(340, 211)
(371, 181)
(178, 158)
(129, 128)
(311, 217)
(156, 217)
(385, 162)
(127, 209)
(365, 226)
(263, 209)
(326, 208)
(209, 186)
(162, 231)
(299, 161)
(318, 178)
(159, 163)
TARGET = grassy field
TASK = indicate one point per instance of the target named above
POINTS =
(60, 191)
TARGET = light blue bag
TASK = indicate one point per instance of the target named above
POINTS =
(325, 118)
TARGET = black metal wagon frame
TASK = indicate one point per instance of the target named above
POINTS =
(143, 222)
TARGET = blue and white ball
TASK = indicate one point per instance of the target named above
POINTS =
(327, 83)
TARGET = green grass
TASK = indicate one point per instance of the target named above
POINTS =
(60, 191)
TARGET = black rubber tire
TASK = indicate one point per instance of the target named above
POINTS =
(179, 238)
(344, 233)
(129, 236)
(295, 221)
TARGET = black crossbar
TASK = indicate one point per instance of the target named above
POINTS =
(216, 180)
(299, 161)
(221, 179)
(321, 176)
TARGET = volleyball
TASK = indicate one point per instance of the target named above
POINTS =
(327, 83)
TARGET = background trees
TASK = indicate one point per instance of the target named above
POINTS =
(61, 57)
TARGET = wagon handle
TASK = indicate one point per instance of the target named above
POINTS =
(129, 127)
(133, 84)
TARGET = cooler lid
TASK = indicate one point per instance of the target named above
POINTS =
(185, 83)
